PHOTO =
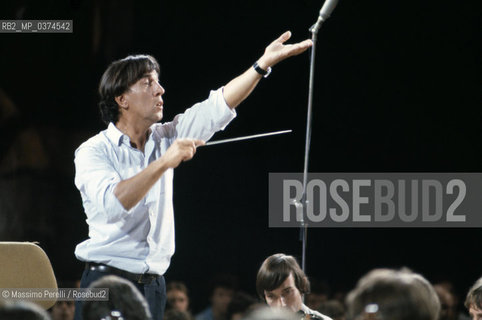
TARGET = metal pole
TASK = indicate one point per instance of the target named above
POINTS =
(304, 226)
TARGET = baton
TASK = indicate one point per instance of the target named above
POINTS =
(254, 136)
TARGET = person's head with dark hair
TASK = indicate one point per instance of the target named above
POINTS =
(281, 282)
(22, 310)
(63, 309)
(448, 301)
(333, 309)
(125, 301)
(386, 294)
(473, 302)
(223, 280)
(177, 296)
(222, 288)
(240, 305)
(119, 78)
(319, 293)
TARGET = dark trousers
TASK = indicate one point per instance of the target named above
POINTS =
(155, 293)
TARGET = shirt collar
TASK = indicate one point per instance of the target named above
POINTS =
(114, 134)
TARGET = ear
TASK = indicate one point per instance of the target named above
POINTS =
(121, 101)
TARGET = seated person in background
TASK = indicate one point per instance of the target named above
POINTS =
(393, 295)
(449, 302)
(222, 289)
(174, 314)
(333, 308)
(125, 301)
(177, 296)
(22, 310)
(241, 304)
(319, 293)
(282, 283)
(473, 302)
(63, 310)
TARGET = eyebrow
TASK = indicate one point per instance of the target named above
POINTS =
(146, 75)
(149, 76)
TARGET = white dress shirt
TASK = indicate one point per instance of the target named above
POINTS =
(141, 239)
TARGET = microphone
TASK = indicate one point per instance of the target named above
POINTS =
(327, 9)
(325, 13)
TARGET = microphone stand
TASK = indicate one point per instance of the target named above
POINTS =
(304, 226)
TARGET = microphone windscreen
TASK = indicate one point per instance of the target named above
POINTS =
(328, 8)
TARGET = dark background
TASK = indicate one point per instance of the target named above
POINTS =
(397, 89)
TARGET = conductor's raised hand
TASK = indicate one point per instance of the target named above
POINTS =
(278, 51)
(181, 150)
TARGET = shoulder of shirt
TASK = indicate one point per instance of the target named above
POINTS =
(100, 140)
(206, 314)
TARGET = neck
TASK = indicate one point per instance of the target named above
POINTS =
(137, 133)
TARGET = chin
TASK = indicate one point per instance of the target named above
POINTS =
(160, 116)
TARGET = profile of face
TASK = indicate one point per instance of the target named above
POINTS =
(143, 100)
(286, 295)
(63, 310)
(220, 299)
(475, 313)
(448, 306)
(178, 300)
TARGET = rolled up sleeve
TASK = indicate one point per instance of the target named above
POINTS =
(205, 118)
(96, 179)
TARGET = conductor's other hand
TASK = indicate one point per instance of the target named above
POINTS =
(278, 51)
(181, 150)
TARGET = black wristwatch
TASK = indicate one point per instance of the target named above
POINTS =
(264, 73)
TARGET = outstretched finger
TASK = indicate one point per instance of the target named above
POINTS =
(298, 48)
(284, 37)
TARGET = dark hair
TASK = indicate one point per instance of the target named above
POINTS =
(223, 280)
(124, 298)
(22, 310)
(275, 270)
(118, 77)
(474, 296)
(240, 303)
(177, 285)
(393, 294)
(332, 308)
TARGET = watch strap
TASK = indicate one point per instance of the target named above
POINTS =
(264, 73)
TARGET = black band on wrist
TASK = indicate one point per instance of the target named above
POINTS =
(264, 73)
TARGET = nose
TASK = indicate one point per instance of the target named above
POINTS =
(278, 303)
(159, 90)
(283, 302)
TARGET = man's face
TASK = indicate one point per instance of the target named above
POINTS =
(475, 313)
(144, 99)
(178, 300)
(63, 310)
(286, 295)
(220, 299)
